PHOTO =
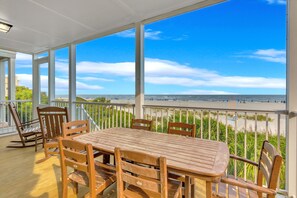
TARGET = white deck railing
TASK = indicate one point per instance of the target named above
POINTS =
(103, 115)
(243, 130)
(24, 108)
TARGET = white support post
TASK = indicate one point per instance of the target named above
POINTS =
(2, 90)
(72, 80)
(11, 79)
(292, 98)
(51, 77)
(36, 85)
(139, 70)
(2, 80)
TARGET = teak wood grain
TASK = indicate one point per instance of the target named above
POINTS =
(204, 159)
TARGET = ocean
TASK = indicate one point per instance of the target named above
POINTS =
(212, 98)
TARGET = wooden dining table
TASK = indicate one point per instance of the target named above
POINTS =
(203, 159)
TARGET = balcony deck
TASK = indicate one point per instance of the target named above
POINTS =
(22, 177)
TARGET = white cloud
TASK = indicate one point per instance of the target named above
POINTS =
(164, 72)
(270, 55)
(94, 79)
(61, 84)
(148, 34)
(153, 67)
(181, 38)
(161, 72)
(220, 81)
(23, 57)
(281, 2)
(153, 35)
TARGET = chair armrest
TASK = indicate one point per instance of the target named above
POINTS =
(35, 121)
(244, 160)
(247, 185)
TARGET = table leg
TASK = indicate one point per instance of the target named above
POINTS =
(208, 189)
(187, 187)
(202, 189)
(106, 159)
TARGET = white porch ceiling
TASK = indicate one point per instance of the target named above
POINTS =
(39, 25)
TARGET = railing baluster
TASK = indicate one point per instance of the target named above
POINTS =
(124, 117)
(187, 116)
(129, 116)
(256, 146)
(109, 115)
(156, 118)
(209, 126)
(121, 124)
(266, 130)
(112, 116)
(278, 131)
(245, 143)
(201, 125)
(235, 145)
(180, 115)
(117, 117)
(218, 127)
(162, 121)
(226, 127)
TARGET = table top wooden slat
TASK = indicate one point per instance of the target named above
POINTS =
(191, 156)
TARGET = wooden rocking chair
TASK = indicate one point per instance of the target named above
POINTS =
(29, 132)
(51, 120)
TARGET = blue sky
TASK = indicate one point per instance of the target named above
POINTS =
(237, 47)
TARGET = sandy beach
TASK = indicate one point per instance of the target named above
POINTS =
(261, 126)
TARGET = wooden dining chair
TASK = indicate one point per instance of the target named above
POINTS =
(75, 128)
(29, 132)
(268, 166)
(142, 124)
(85, 170)
(51, 119)
(180, 128)
(142, 175)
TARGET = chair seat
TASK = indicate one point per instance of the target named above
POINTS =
(233, 191)
(32, 130)
(29, 134)
(104, 177)
(136, 192)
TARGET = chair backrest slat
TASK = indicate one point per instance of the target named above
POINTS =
(141, 170)
(179, 128)
(79, 157)
(269, 165)
(76, 165)
(76, 155)
(137, 157)
(141, 124)
(74, 128)
(142, 183)
(51, 119)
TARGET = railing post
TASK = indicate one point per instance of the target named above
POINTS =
(51, 77)
(139, 70)
(72, 80)
(35, 85)
(291, 135)
(11, 82)
(81, 111)
(2, 91)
